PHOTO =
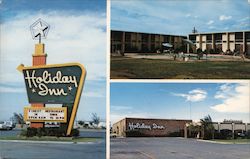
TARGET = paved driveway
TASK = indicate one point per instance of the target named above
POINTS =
(175, 148)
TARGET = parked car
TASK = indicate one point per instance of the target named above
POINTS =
(113, 135)
(241, 134)
(6, 125)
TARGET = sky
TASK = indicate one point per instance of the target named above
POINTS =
(180, 16)
(180, 101)
(77, 34)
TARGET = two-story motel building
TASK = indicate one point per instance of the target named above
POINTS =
(222, 41)
(136, 42)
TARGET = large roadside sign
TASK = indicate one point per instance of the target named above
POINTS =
(54, 84)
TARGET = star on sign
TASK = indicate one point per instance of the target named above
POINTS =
(39, 29)
(70, 88)
(33, 90)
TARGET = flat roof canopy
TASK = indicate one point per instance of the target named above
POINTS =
(167, 44)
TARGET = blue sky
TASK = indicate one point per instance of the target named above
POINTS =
(173, 100)
(77, 34)
(11, 8)
(180, 16)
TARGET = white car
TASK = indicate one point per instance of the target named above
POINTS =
(6, 125)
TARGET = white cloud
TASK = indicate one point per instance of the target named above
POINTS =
(224, 17)
(224, 91)
(72, 38)
(248, 1)
(235, 98)
(188, 15)
(195, 95)
(210, 22)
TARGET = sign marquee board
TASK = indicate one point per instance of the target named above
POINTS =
(36, 114)
(56, 84)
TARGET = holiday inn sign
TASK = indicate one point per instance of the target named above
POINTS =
(51, 84)
(54, 84)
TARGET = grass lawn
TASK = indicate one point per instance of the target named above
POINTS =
(130, 68)
(49, 138)
(234, 141)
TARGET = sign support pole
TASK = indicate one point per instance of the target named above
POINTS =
(38, 59)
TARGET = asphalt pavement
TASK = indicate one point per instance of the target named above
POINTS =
(20, 150)
(54, 150)
(175, 148)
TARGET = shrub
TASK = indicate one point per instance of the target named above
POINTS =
(75, 132)
(40, 132)
(248, 134)
(212, 51)
(176, 134)
(31, 132)
(58, 132)
(135, 133)
(223, 134)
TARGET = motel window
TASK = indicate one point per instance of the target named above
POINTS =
(218, 36)
(152, 38)
(247, 34)
(127, 37)
(209, 37)
(144, 37)
(239, 35)
(116, 36)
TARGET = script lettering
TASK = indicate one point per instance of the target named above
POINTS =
(39, 83)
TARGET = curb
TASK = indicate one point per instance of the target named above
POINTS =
(47, 142)
(225, 143)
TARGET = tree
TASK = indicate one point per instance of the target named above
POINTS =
(207, 127)
(194, 130)
(199, 53)
(95, 119)
(18, 119)
(80, 122)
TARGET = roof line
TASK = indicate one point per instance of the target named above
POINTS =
(148, 33)
(219, 32)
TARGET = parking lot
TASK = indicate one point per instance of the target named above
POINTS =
(175, 148)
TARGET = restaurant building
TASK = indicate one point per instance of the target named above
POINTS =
(136, 42)
(222, 41)
(129, 127)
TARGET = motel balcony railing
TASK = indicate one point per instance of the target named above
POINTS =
(238, 40)
(218, 41)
